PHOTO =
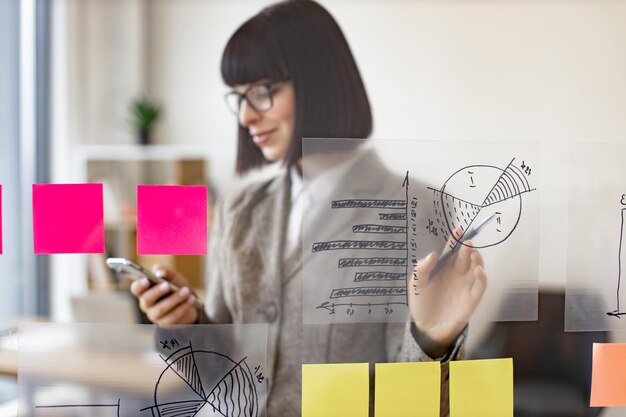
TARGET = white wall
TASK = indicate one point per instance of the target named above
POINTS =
(434, 69)
(551, 71)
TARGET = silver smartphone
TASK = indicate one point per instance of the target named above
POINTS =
(131, 270)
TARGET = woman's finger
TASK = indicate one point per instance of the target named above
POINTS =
(152, 295)
(139, 286)
(453, 239)
(477, 259)
(170, 275)
(160, 309)
(178, 313)
(463, 261)
(421, 272)
(480, 284)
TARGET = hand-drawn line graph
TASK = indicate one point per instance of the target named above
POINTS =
(196, 383)
(618, 311)
(475, 192)
(115, 406)
(387, 282)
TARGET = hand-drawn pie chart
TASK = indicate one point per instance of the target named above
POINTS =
(474, 193)
(199, 383)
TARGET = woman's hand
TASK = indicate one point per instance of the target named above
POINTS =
(160, 304)
(442, 305)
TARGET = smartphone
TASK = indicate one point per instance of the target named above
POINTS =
(129, 269)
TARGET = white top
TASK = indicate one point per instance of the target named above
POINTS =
(307, 193)
(294, 225)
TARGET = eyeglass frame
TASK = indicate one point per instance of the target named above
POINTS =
(244, 96)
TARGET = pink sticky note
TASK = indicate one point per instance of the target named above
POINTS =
(0, 218)
(68, 218)
(171, 219)
(608, 375)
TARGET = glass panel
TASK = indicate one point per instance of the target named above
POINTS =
(10, 262)
(134, 370)
(373, 208)
(594, 296)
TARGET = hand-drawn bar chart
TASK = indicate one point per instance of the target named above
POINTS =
(381, 239)
(380, 261)
(368, 227)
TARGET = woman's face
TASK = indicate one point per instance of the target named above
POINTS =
(271, 130)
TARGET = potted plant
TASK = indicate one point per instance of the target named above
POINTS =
(144, 114)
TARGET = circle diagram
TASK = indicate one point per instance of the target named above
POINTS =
(199, 383)
(476, 192)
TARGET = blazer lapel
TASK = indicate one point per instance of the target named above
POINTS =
(269, 222)
(351, 186)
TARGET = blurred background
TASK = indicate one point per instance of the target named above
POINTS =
(129, 91)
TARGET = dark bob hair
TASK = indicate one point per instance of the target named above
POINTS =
(300, 41)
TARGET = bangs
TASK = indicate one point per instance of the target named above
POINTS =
(253, 53)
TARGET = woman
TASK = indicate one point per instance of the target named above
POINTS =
(293, 76)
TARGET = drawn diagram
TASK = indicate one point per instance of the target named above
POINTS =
(195, 383)
(88, 408)
(380, 277)
(388, 236)
(618, 312)
(232, 395)
(474, 193)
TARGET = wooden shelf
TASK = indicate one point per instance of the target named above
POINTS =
(141, 152)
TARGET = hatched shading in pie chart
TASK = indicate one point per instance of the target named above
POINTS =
(475, 192)
(201, 383)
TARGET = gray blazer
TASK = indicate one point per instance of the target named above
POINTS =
(245, 269)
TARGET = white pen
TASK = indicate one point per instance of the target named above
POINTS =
(443, 259)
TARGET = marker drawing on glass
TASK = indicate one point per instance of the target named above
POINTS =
(475, 193)
(87, 407)
(485, 198)
(381, 279)
(195, 382)
(449, 252)
(233, 395)
(618, 312)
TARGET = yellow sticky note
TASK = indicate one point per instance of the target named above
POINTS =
(335, 390)
(481, 388)
(608, 375)
(410, 389)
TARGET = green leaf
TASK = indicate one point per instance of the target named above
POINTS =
(144, 113)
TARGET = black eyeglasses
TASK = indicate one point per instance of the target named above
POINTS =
(258, 96)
